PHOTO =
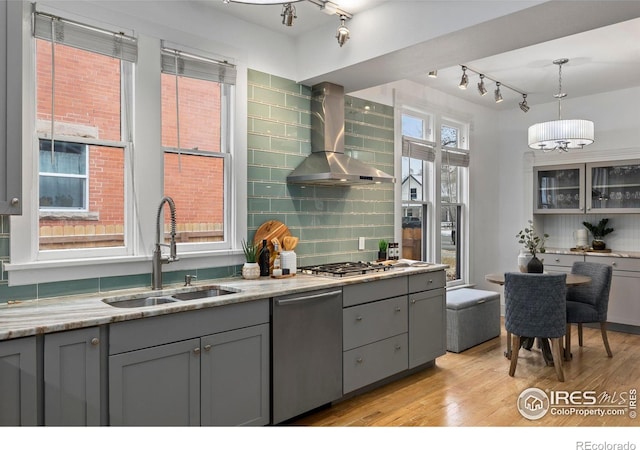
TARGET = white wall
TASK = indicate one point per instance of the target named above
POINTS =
(617, 134)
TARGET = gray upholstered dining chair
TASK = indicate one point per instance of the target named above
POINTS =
(536, 307)
(589, 303)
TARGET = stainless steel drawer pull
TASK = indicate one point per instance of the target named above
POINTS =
(398, 347)
(307, 298)
(398, 309)
(413, 301)
(613, 264)
(359, 318)
(557, 260)
(196, 351)
(430, 281)
(207, 347)
(95, 341)
(359, 360)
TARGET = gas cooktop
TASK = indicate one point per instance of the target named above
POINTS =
(345, 269)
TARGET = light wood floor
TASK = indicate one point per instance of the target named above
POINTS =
(473, 388)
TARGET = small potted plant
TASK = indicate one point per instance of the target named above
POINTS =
(598, 231)
(251, 268)
(534, 244)
(382, 250)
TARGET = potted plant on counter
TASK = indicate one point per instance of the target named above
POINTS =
(598, 231)
(382, 250)
(534, 244)
(251, 268)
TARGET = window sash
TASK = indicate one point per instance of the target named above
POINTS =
(179, 63)
(418, 149)
(74, 34)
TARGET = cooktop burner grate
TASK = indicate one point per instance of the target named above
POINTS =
(344, 269)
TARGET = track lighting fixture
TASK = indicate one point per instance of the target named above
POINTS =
(433, 74)
(497, 95)
(342, 34)
(464, 81)
(288, 14)
(523, 104)
(481, 88)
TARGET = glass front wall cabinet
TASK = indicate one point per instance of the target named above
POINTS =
(614, 187)
(559, 189)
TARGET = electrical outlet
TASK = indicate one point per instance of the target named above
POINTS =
(361, 243)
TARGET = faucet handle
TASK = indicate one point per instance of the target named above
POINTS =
(188, 279)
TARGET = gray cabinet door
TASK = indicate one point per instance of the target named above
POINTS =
(235, 377)
(427, 326)
(10, 107)
(72, 378)
(156, 386)
(18, 382)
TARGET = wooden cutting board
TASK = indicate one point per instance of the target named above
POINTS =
(269, 230)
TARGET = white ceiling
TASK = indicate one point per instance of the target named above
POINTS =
(602, 59)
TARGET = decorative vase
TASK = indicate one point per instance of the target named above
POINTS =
(598, 244)
(382, 256)
(523, 260)
(535, 265)
(251, 271)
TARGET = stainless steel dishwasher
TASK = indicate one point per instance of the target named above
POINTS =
(306, 352)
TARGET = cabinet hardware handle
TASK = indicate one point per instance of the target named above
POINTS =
(359, 360)
(196, 351)
(613, 264)
(359, 318)
(207, 347)
(398, 309)
(398, 347)
(557, 259)
(430, 281)
(15, 201)
(95, 341)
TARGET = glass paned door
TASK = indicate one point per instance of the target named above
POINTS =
(614, 187)
(559, 189)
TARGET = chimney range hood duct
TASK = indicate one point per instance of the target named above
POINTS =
(327, 164)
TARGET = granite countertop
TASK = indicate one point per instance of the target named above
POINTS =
(79, 311)
(612, 253)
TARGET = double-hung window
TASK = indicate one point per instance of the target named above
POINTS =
(83, 98)
(197, 98)
(434, 181)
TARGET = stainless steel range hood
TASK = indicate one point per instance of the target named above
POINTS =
(327, 164)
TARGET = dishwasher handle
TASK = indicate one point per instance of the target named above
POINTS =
(306, 298)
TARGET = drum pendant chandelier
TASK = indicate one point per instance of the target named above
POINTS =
(561, 135)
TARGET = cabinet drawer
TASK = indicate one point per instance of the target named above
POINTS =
(551, 259)
(370, 363)
(624, 264)
(375, 321)
(427, 281)
(356, 294)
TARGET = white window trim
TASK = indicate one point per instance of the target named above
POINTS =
(25, 268)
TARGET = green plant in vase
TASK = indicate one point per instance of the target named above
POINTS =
(251, 268)
(598, 231)
(382, 249)
(534, 244)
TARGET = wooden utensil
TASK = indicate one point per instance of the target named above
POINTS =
(271, 229)
(290, 242)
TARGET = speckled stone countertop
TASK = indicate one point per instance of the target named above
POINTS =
(79, 311)
(613, 253)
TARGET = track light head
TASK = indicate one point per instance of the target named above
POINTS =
(497, 95)
(523, 104)
(481, 88)
(433, 74)
(464, 81)
(288, 14)
(342, 34)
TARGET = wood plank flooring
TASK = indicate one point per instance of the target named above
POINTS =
(473, 388)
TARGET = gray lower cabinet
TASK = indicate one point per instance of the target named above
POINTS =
(18, 382)
(375, 340)
(73, 378)
(427, 317)
(215, 378)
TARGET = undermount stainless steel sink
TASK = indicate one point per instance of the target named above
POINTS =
(142, 300)
(210, 292)
(139, 302)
